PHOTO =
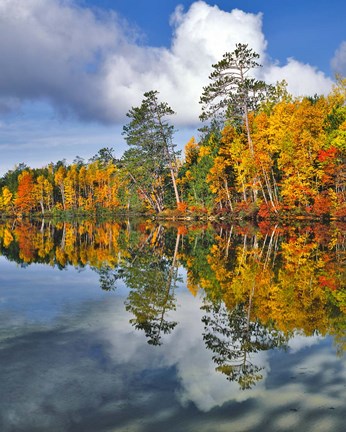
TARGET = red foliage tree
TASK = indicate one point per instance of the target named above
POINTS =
(25, 200)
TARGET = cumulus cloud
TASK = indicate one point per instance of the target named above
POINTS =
(53, 50)
(302, 79)
(339, 60)
(91, 65)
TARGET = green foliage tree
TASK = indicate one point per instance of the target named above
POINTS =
(193, 174)
(10, 179)
(232, 94)
(151, 136)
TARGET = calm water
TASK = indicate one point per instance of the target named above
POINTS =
(143, 328)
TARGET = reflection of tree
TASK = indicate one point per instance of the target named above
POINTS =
(233, 338)
(151, 278)
(107, 277)
(149, 304)
(293, 276)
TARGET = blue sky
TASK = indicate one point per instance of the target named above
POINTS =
(71, 69)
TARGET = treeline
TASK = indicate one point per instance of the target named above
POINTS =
(261, 152)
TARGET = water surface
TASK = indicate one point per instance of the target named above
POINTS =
(139, 327)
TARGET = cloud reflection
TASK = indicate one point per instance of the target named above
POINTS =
(88, 369)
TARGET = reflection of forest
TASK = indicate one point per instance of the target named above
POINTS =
(260, 285)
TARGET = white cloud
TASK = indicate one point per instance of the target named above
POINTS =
(51, 50)
(299, 342)
(339, 59)
(302, 79)
(91, 65)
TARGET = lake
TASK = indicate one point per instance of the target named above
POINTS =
(141, 327)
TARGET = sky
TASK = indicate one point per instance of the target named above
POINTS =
(71, 69)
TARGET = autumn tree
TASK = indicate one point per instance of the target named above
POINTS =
(233, 94)
(43, 192)
(132, 191)
(71, 187)
(25, 199)
(6, 199)
(333, 155)
(59, 179)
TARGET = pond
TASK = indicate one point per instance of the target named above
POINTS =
(137, 326)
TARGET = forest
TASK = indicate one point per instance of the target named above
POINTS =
(261, 153)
